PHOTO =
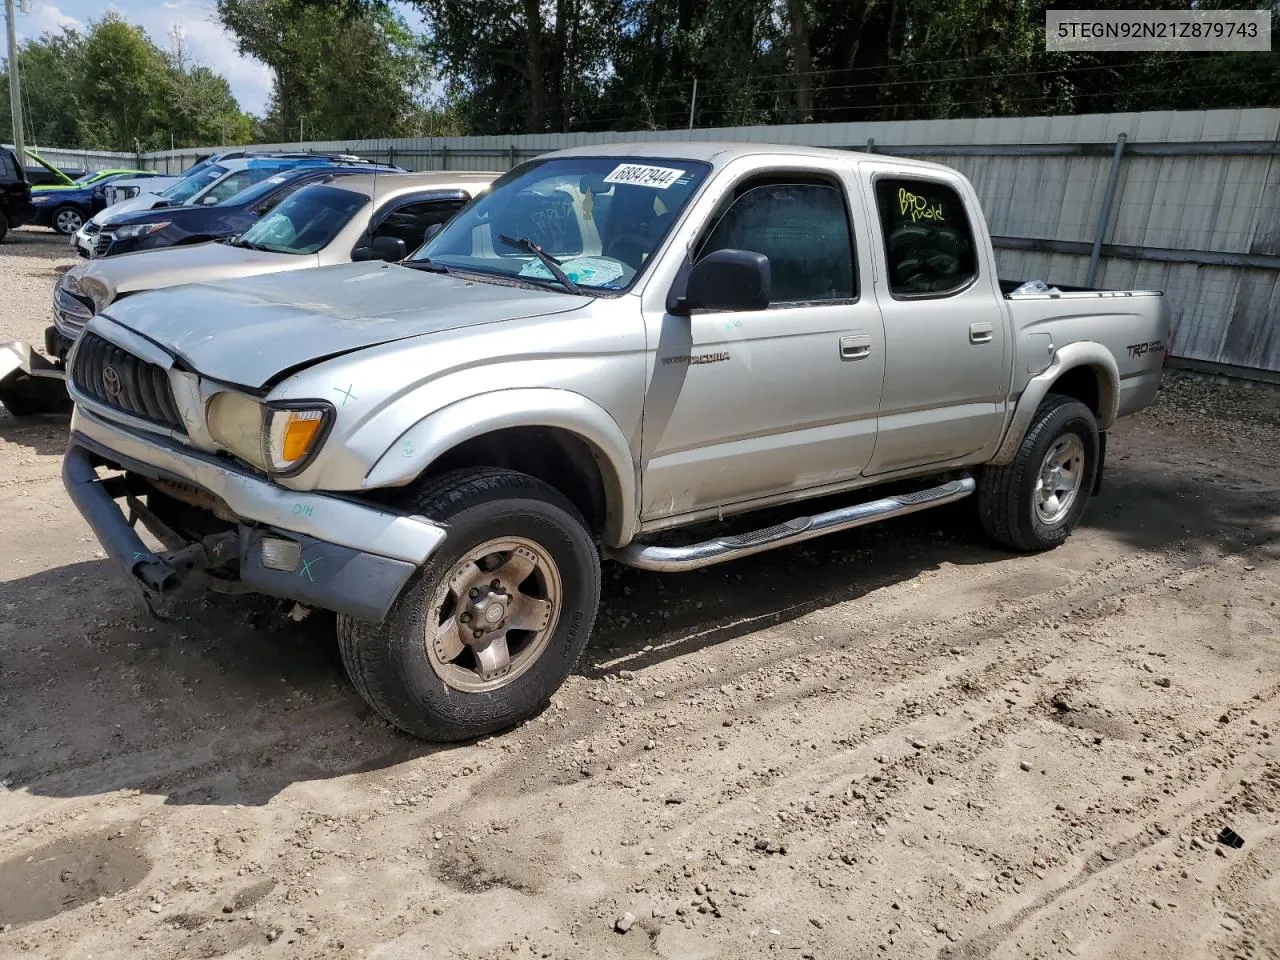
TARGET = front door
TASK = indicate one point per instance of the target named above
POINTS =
(745, 405)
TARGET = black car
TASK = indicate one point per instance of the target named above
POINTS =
(15, 194)
(229, 217)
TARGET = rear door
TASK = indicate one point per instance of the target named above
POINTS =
(946, 350)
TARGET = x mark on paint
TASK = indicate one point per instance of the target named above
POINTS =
(306, 568)
(347, 394)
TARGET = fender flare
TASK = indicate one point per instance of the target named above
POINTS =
(1083, 353)
(441, 430)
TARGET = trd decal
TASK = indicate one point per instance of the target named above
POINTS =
(698, 358)
(1142, 349)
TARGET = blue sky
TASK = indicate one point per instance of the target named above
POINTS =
(206, 41)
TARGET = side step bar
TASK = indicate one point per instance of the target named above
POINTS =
(721, 549)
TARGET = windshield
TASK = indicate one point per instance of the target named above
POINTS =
(189, 186)
(90, 177)
(306, 222)
(601, 217)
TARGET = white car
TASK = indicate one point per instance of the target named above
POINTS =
(348, 218)
(208, 182)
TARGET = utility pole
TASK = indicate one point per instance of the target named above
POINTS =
(15, 90)
(693, 102)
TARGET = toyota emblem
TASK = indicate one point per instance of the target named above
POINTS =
(111, 380)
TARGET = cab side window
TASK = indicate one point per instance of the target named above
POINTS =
(927, 238)
(410, 221)
(802, 227)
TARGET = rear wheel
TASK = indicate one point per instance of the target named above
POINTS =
(489, 628)
(1034, 502)
(67, 220)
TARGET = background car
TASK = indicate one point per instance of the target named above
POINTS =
(15, 193)
(127, 189)
(65, 208)
(335, 220)
(217, 180)
(220, 212)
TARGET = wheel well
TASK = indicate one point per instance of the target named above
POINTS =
(1080, 383)
(555, 456)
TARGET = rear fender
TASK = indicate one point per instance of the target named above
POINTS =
(1084, 353)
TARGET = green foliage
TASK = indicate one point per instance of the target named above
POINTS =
(339, 74)
(112, 88)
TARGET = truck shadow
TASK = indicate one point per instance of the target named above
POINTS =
(233, 702)
(45, 433)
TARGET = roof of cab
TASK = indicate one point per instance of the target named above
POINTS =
(391, 184)
(720, 152)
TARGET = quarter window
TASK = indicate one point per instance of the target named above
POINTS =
(928, 242)
(803, 228)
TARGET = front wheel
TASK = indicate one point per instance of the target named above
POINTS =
(67, 220)
(492, 625)
(1034, 502)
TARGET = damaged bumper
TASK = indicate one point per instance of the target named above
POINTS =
(320, 550)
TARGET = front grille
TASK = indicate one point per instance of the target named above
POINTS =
(117, 379)
(70, 312)
(103, 243)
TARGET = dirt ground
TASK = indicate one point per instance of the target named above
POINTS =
(898, 742)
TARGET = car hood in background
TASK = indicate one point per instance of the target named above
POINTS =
(249, 331)
(106, 278)
(143, 201)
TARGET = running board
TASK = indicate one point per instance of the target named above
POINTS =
(721, 549)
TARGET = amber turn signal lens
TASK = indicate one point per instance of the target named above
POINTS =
(299, 433)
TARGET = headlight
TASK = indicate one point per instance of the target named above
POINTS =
(135, 230)
(277, 439)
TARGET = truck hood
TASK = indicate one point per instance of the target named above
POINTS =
(248, 331)
(106, 278)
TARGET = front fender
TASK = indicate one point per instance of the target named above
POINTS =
(1083, 353)
(440, 431)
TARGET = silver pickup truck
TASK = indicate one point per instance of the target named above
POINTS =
(612, 343)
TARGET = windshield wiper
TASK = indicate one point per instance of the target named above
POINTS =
(551, 263)
(246, 244)
(422, 263)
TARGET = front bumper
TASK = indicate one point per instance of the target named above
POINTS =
(355, 558)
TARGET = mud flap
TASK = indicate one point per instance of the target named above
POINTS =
(1102, 462)
(30, 383)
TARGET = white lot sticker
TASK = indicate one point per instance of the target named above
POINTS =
(639, 175)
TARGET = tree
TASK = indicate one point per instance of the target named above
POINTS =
(112, 88)
(338, 74)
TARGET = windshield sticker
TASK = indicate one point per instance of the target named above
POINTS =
(588, 271)
(639, 175)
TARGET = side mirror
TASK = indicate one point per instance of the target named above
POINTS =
(390, 249)
(432, 231)
(725, 280)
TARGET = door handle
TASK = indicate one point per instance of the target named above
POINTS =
(980, 333)
(855, 348)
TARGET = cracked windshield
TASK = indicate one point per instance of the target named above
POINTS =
(597, 220)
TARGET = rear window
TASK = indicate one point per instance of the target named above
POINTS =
(928, 241)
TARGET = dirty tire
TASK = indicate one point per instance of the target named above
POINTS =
(1006, 494)
(388, 661)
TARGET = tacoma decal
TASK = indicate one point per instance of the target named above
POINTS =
(698, 358)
